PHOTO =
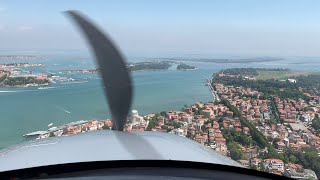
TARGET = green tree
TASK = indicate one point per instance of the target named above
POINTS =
(316, 122)
(153, 122)
(256, 135)
(253, 167)
(51, 134)
(234, 150)
(165, 128)
(163, 113)
(106, 127)
(244, 140)
(274, 142)
(292, 159)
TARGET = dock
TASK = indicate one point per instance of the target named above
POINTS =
(36, 133)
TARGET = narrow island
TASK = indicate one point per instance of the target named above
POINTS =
(152, 65)
(21, 57)
(37, 80)
(12, 76)
(183, 66)
(21, 64)
(85, 71)
(142, 66)
(7, 79)
(224, 60)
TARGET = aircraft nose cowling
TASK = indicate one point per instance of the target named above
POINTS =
(107, 145)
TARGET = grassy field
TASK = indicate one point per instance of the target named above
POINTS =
(263, 75)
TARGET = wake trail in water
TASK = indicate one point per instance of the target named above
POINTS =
(63, 109)
(76, 82)
(138, 84)
(17, 91)
(43, 88)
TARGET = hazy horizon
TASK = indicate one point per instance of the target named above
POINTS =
(167, 28)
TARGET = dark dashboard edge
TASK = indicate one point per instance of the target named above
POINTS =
(47, 171)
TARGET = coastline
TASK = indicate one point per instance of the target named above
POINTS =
(215, 95)
(201, 113)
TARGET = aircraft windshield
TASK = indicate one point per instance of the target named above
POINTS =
(241, 78)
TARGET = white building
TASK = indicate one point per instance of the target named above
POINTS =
(179, 132)
(187, 118)
(273, 165)
(292, 80)
(306, 117)
(134, 118)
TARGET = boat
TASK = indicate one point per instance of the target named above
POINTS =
(36, 133)
(67, 111)
(52, 128)
(45, 87)
(49, 125)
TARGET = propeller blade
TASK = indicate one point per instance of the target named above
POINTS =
(116, 79)
(118, 86)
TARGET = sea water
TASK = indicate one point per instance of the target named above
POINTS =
(24, 110)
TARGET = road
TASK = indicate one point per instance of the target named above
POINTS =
(213, 92)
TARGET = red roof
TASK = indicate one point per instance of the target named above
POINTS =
(215, 127)
(237, 125)
(217, 131)
(199, 137)
(220, 139)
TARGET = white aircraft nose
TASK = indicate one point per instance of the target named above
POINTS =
(108, 145)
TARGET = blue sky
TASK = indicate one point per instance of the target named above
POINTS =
(168, 27)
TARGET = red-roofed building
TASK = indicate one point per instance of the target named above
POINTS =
(246, 130)
(42, 77)
(244, 162)
(200, 139)
(273, 165)
(237, 125)
(255, 162)
(218, 135)
(280, 146)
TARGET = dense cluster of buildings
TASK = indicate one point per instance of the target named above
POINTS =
(289, 121)
(14, 70)
(293, 131)
(72, 128)
(135, 123)
(21, 57)
(200, 123)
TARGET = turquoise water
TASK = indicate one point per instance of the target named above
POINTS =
(25, 110)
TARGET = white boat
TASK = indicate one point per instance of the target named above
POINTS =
(67, 111)
(36, 133)
(49, 125)
(52, 128)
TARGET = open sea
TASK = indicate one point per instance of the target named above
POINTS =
(24, 110)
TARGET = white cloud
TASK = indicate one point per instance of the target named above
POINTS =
(25, 28)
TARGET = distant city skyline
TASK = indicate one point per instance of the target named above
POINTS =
(177, 28)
